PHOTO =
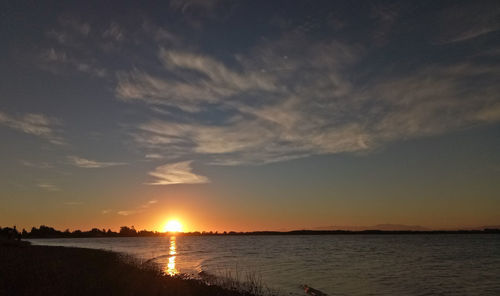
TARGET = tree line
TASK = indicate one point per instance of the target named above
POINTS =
(49, 232)
(126, 231)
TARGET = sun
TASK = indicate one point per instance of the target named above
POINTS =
(173, 226)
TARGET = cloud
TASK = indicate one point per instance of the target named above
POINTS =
(159, 34)
(48, 187)
(149, 203)
(70, 30)
(139, 209)
(107, 211)
(185, 5)
(195, 12)
(275, 125)
(40, 165)
(34, 124)
(466, 21)
(154, 156)
(91, 164)
(74, 24)
(114, 31)
(190, 80)
(126, 213)
(435, 100)
(176, 173)
(56, 60)
(385, 17)
(490, 113)
(295, 95)
(73, 203)
(303, 102)
(255, 141)
(68, 50)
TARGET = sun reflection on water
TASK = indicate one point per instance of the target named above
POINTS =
(170, 268)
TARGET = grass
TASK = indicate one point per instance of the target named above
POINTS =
(250, 283)
(48, 270)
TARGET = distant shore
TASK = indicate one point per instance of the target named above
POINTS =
(49, 232)
(47, 270)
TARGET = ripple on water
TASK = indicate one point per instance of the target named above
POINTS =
(335, 264)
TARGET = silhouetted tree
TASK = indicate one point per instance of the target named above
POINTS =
(9, 233)
(127, 231)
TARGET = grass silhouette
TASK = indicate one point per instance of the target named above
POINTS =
(48, 270)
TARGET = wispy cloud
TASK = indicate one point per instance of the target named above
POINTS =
(185, 5)
(75, 24)
(68, 51)
(295, 95)
(278, 115)
(467, 21)
(114, 31)
(48, 187)
(55, 60)
(34, 124)
(73, 203)
(154, 156)
(149, 203)
(40, 165)
(176, 173)
(139, 209)
(202, 80)
(195, 12)
(91, 164)
(127, 213)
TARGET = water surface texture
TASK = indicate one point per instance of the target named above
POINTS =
(458, 264)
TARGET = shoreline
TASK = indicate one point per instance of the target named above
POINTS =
(54, 270)
(58, 234)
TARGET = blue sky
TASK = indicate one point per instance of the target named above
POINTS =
(258, 112)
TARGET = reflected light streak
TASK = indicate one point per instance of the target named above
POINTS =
(170, 269)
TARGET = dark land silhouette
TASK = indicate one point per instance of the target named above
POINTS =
(125, 231)
(48, 270)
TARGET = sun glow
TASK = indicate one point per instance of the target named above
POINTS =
(173, 226)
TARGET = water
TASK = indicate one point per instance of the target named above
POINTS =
(335, 264)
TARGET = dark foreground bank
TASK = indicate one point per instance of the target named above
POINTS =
(47, 270)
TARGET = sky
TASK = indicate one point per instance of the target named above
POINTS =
(249, 115)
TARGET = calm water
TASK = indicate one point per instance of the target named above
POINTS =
(336, 264)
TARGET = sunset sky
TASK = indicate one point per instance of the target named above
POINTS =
(249, 115)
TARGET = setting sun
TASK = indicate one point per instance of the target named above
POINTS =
(173, 226)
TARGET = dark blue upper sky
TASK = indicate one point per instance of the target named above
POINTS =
(273, 114)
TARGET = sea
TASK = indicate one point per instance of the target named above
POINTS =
(416, 264)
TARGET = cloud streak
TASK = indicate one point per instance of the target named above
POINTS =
(55, 60)
(199, 80)
(466, 22)
(73, 203)
(39, 165)
(176, 173)
(91, 164)
(281, 115)
(34, 124)
(127, 213)
(295, 95)
(48, 187)
(140, 209)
